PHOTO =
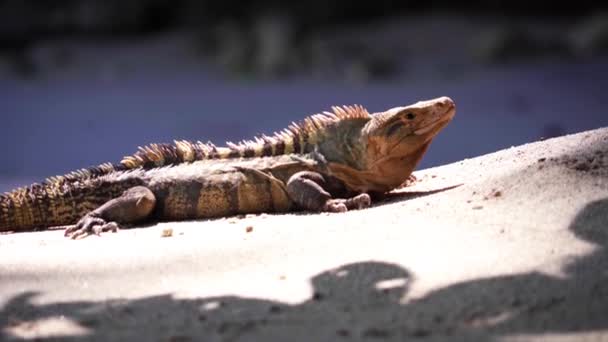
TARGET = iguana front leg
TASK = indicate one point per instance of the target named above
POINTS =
(307, 189)
(132, 206)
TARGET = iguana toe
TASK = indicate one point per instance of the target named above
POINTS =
(340, 205)
(89, 225)
(408, 182)
(335, 206)
(361, 201)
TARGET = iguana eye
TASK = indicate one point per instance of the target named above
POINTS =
(410, 116)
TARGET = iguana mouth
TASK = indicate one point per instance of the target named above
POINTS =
(427, 128)
(447, 116)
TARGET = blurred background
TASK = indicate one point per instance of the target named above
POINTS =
(85, 82)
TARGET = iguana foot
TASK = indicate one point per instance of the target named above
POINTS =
(134, 205)
(341, 205)
(335, 206)
(89, 225)
(306, 188)
(408, 182)
(361, 201)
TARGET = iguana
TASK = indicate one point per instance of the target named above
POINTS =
(332, 161)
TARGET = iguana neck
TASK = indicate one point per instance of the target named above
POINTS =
(382, 176)
(342, 143)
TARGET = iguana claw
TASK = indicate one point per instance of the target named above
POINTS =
(90, 225)
(335, 206)
(340, 205)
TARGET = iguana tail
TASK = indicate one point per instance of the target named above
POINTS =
(59, 201)
(35, 206)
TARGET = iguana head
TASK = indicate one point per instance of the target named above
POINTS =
(393, 142)
(401, 131)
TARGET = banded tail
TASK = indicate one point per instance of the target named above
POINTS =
(59, 200)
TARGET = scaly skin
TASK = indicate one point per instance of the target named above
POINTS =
(328, 162)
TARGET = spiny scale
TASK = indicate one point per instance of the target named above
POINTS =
(296, 138)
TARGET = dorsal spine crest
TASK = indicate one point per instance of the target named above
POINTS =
(296, 138)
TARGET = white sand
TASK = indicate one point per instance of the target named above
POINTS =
(517, 251)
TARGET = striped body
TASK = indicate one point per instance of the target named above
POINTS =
(203, 189)
(206, 189)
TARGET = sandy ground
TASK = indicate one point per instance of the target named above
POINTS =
(507, 246)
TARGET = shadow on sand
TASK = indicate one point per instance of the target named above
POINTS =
(360, 301)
